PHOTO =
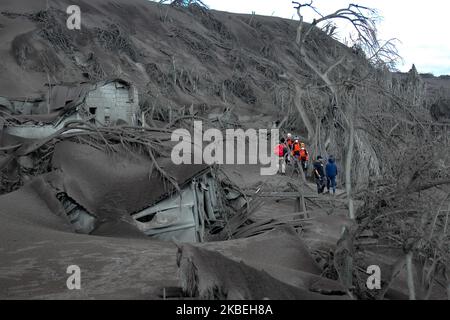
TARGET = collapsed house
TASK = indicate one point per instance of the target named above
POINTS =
(103, 103)
(96, 189)
(121, 195)
(99, 192)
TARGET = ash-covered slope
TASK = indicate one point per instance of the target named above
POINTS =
(176, 56)
(247, 67)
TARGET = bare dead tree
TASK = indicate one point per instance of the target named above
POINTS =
(377, 107)
(363, 20)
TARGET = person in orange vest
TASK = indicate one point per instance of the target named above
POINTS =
(304, 157)
(296, 148)
(282, 150)
(289, 144)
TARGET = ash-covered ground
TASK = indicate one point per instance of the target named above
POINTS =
(94, 203)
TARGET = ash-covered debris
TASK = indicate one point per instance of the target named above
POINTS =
(87, 176)
(102, 103)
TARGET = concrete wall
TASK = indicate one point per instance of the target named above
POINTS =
(24, 107)
(114, 101)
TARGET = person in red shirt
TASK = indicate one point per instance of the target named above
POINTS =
(282, 150)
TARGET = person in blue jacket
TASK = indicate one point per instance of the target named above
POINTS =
(331, 172)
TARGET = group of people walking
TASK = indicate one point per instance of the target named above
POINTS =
(292, 151)
(325, 177)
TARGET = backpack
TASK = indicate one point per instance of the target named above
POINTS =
(280, 150)
(296, 149)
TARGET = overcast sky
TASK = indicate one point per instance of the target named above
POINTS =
(423, 27)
